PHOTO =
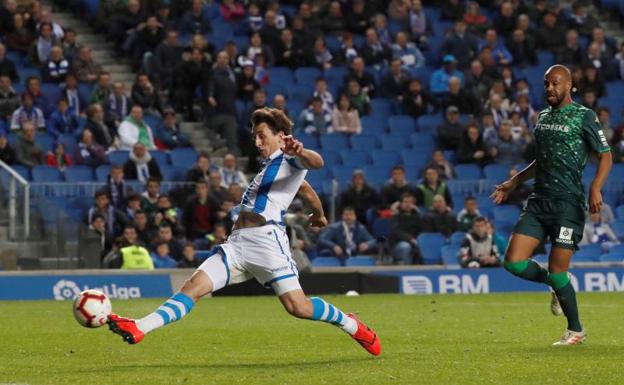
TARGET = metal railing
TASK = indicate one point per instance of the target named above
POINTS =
(14, 181)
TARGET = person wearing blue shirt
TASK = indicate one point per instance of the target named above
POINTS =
(347, 237)
(161, 257)
(62, 121)
(500, 53)
(410, 55)
(439, 82)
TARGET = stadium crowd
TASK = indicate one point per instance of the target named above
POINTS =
(342, 71)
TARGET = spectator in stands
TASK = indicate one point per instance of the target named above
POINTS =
(442, 165)
(395, 187)
(7, 67)
(102, 90)
(358, 18)
(102, 135)
(395, 83)
(467, 216)
(452, 9)
(27, 112)
(520, 194)
(7, 153)
(200, 212)
(472, 148)
(440, 218)
(71, 49)
(451, 130)
(9, 101)
(196, 19)
(98, 232)
(505, 20)
(75, 97)
(594, 57)
(479, 249)
(345, 118)
(571, 53)
(598, 232)
(118, 105)
(581, 20)
(604, 119)
(279, 102)
(347, 237)
(166, 213)
(170, 133)
(523, 50)
(62, 121)
(289, 52)
(166, 60)
(551, 34)
(334, 21)
(499, 52)
(87, 71)
(189, 260)
(506, 149)
(460, 44)
(359, 99)
(418, 25)
(477, 23)
(41, 101)
(405, 227)
(89, 153)
(259, 100)
(56, 67)
(45, 42)
(525, 110)
(464, 100)
(607, 45)
(439, 82)
(135, 130)
(232, 10)
(201, 169)
(133, 206)
(360, 196)
(58, 158)
(271, 28)
(374, 52)
(619, 62)
(46, 17)
(320, 55)
(497, 109)
(165, 234)
(321, 91)
(141, 165)
(430, 187)
(148, 36)
(246, 82)
(221, 98)
(234, 191)
(258, 47)
(315, 120)
(590, 100)
(230, 174)
(347, 51)
(144, 94)
(191, 73)
(592, 81)
(115, 219)
(117, 188)
(21, 38)
(415, 100)
(160, 256)
(124, 22)
(144, 233)
(149, 197)
(411, 57)
(27, 153)
(477, 81)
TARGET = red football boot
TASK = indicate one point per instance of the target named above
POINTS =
(125, 327)
(366, 337)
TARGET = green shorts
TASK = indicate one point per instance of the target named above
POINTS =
(562, 221)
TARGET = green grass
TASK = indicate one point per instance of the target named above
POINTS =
(488, 339)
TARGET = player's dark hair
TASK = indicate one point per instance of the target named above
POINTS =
(276, 119)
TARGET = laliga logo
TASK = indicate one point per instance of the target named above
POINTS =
(66, 289)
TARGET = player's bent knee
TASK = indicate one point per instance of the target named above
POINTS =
(515, 267)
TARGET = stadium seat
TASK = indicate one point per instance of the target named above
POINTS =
(307, 75)
(540, 258)
(79, 174)
(430, 245)
(496, 172)
(429, 122)
(183, 157)
(334, 142)
(273, 89)
(309, 141)
(402, 124)
(545, 58)
(335, 75)
(619, 212)
(450, 255)
(161, 157)
(23, 171)
(468, 172)
(342, 174)
(588, 253)
(152, 121)
(504, 226)
(364, 142)
(506, 213)
(52, 91)
(373, 125)
(377, 175)
(381, 227)
(281, 75)
(618, 228)
(457, 237)
(301, 92)
(326, 262)
(415, 159)
(617, 250)
(386, 158)
(102, 172)
(394, 143)
(118, 157)
(360, 260)
(381, 107)
(611, 257)
(355, 158)
(173, 173)
(331, 157)
(44, 141)
(43, 174)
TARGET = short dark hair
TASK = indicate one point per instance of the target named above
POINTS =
(152, 179)
(348, 208)
(134, 197)
(116, 166)
(99, 193)
(480, 219)
(470, 198)
(203, 154)
(276, 119)
(398, 167)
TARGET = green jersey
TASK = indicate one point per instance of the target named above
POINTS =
(564, 140)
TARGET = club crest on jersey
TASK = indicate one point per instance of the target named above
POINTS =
(565, 235)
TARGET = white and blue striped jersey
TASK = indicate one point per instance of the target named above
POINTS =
(270, 193)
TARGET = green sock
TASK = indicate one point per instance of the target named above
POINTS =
(528, 269)
(560, 282)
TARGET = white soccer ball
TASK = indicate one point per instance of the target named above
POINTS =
(352, 293)
(92, 308)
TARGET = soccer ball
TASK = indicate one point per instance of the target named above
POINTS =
(91, 308)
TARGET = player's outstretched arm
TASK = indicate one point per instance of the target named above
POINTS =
(502, 191)
(308, 158)
(605, 161)
(309, 195)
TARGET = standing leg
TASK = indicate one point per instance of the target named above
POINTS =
(559, 280)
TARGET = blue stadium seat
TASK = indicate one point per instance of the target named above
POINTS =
(381, 227)
(450, 155)
(540, 258)
(282, 76)
(152, 121)
(335, 75)
(373, 125)
(402, 124)
(70, 143)
(617, 250)
(360, 260)
(102, 172)
(618, 228)
(309, 141)
(173, 173)
(504, 226)
(52, 91)
(545, 58)
(468, 172)
(183, 157)
(377, 175)
(588, 253)
(44, 141)
(619, 212)
(331, 157)
(355, 158)
(415, 159)
(46, 174)
(381, 107)
(301, 93)
(364, 142)
(118, 157)
(273, 89)
(611, 258)
(23, 171)
(449, 255)
(457, 237)
(386, 158)
(429, 122)
(505, 213)
(335, 142)
(79, 174)
(496, 172)
(307, 75)
(430, 245)
(395, 143)
(161, 157)
(326, 262)
(343, 174)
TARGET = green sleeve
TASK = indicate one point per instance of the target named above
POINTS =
(593, 134)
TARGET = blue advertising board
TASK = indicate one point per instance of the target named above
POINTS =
(60, 287)
(473, 281)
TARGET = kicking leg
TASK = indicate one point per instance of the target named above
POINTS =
(518, 262)
(559, 280)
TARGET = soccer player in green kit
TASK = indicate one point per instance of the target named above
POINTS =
(566, 133)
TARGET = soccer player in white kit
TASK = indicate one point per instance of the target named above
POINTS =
(258, 246)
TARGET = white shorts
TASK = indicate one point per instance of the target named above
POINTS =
(261, 252)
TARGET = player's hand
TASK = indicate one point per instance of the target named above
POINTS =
(318, 221)
(595, 201)
(337, 250)
(292, 146)
(502, 191)
(363, 247)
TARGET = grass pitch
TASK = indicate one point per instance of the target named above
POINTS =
(451, 339)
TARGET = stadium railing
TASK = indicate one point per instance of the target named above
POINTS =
(16, 189)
